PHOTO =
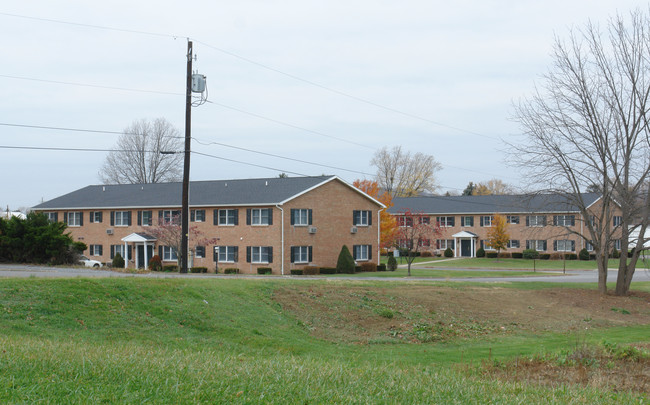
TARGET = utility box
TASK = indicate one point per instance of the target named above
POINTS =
(198, 83)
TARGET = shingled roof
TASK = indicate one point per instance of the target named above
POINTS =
(489, 204)
(268, 191)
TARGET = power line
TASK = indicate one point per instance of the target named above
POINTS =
(249, 164)
(76, 129)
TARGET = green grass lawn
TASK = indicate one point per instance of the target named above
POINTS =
(227, 341)
(424, 270)
(486, 263)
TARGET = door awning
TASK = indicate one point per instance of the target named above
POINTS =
(139, 237)
(464, 234)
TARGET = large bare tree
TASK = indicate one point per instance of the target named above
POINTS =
(137, 157)
(586, 129)
(403, 174)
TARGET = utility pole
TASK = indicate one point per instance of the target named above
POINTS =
(185, 210)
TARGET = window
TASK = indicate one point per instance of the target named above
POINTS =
(145, 218)
(169, 216)
(535, 220)
(424, 242)
(424, 220)
(445, 243)
(226, 217)
(406, 243)
(121, 218)
(539, 245)
(115, 249)
(301, 217)
(362, 218)
(95, 250)
(486, 220)
(564, 245)
(466, 221)
(404, 221)
(259, 254)
(95, 217)
(445, 222)
(512, 219)
(74, 218)
(199, 252)
(618, 220)
(227, 254)
(617, 244)
(52, 216)
(590, 246)
(362, 252)
(301, 254)
(486, 245)
(564, 220)
(197, 216)
(513, 244)
(259, 216)
(169, 254)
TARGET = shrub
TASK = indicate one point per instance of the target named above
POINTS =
(592, 256)
(231, 270)
(530, 254)
(310, 271)
(155, 264)
(557, 256)
(170, 268)
(449, 252)
(545, 256)
(517, 255)
(504, 255)
(381, 267)
(570, 256)
(615, 254)
(583, 254)
(480, 252)
(368, 267)
(392, 264)
(491, 255)
(296, 272)
(426, 254)
(118, 261)
(345, 263)
(328, 270)
(199, 270)
(264, 270)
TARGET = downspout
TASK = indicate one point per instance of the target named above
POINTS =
(379, 235)
(281, 239)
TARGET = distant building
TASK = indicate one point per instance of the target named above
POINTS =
(10, 214)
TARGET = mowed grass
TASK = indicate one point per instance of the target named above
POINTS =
(522, 264)
(228, 341)
(423, 271)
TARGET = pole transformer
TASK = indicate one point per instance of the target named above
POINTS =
(185, 210)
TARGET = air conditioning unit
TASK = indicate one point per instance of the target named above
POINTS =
(312, 229)
(109, 232)
(353, 229)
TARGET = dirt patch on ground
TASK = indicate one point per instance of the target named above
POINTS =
(431, 313)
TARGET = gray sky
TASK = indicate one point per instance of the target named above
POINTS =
(439, 77)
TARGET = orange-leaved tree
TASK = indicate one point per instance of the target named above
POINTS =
(497, 235)
(388, 224)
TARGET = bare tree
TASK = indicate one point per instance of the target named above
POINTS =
(587, 129)
(403, 174)
(137, 157)
(494, 186)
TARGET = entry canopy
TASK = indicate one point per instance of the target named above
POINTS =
(138, 238)
(464, 234)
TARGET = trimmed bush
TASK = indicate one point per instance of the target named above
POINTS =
(169, 268)
(583, 254)
(199, 270)
(480, 252)
(155, 264)
(505, 255)
(517, 255)
(264, 270)
(545, 256)
(328, 270)
(392, 264)
(381, 267)
(570, 256)
(368, 267)
(449, 252)
(118, 261)
(296, 272)
(491, 255)
(231, 270)
(426, 254)
(557, 256)
(530, 254)
(345, 263)
(311, 271)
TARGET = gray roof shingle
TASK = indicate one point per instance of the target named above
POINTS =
(267, 191)
(489, 204)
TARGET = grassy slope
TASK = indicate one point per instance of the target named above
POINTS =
(174, 341)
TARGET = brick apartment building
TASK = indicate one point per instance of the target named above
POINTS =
(543, 222)
(281, 223)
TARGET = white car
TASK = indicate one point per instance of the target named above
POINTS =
(89, 262)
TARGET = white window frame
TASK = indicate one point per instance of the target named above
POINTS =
(538, 220)
(94, 250)
(196, 219)
(487, 246)
(227, 218)
(121, 218)
(196, 252)
(487, 220)
(539, 245)
(301, 254)
(95, 216)
(301, 217)
(445, 222)
(259, 217)
(617, 244)
(509, 219)
(169, 254)
(589, 246)
(147, 221)
(226, 252)
(510, 245)
(446, 243)
(363, 218)
(565, 220)
(74, 218)
(51, 216)
(403, 221)
(259, 253)
(362, 253)
(121, 250)
(465, 221)
(617, 220)
(563, 245)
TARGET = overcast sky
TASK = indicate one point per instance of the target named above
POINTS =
(327, 82)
